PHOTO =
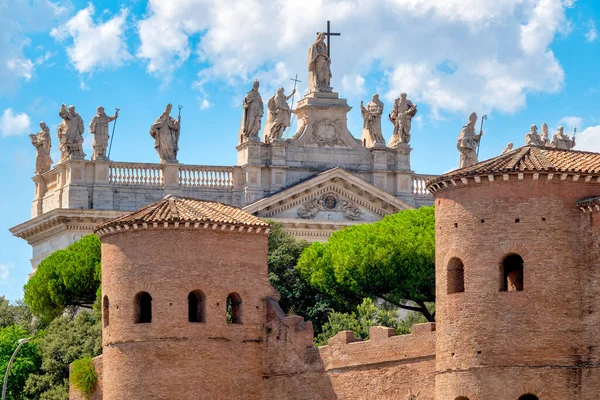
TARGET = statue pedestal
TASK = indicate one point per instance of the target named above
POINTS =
(322, 121)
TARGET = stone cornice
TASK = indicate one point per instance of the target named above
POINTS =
(442, 183)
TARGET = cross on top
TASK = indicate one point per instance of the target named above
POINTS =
(329, 34)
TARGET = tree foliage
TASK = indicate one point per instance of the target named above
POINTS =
(298, 296)
(392, 259)
(83, 376)
(15, 314)
(26, 361)
(66, 278)
(64, 341)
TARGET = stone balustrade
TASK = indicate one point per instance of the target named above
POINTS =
(202, 176)
(418, 184)
(127, 173)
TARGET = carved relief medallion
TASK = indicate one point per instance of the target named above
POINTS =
(330, 202)
(326, 133)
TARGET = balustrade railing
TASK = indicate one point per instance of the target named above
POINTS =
(418, 184)
(135, 174)
(197, 176)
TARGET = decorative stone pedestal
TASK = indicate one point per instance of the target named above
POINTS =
(322, 121)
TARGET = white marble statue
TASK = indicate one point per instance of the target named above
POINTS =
(165, 131)
(532, 138)
(252, 112)
(319, 66)
(560, 140)
(70, 133)
(42, 143)
(99, 128)
(371, 132)
(544, 140)
(402, 114)
(278, 116)
(508, 148)
(468, 142)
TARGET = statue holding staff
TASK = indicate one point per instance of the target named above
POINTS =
(278, 116)
(468, 142)
(42, 143)
(99, 128)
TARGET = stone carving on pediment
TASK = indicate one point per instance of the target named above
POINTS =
(330, 202)
(326, 132)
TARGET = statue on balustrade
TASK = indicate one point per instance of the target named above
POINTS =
(42, 143)
(544, 141)
(402, 114)
(508, 148)
(99, 128)
(319, 66)
(70, 134)
(532, 138)
(252, 112)
(165, 131)
(560, 140)
(371, 132)
(278, 116)
(468, 142)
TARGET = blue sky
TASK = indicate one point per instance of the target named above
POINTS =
(518, 61)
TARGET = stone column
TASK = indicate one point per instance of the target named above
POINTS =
(380, 167)
(102, 196)
(40, 191)
(77, 189)
(403, 174)
(277, 166)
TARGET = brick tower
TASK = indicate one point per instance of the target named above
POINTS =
(183, 284)
(517, 279)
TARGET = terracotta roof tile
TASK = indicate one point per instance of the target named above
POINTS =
(531, 159)
(181, 209)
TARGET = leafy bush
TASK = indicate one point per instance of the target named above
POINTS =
(83, 376)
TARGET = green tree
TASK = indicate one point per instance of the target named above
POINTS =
(15, 314)
(64, 341)
(392, 259)
(66, 278)
(298, 296)
(26, 362)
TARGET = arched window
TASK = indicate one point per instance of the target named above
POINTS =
(105, 311)
(511, 273)
(196, 306)
(456, 276)
(461, 398)
(234, 309)
(143, 308)
(529, 396)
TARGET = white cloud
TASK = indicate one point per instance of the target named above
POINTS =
(571, 122)
(495, 52)
(592, 33)
(589, 139)
(5, 272)
(12, 124)
(96, 45)
(204, 103)
(19, 20)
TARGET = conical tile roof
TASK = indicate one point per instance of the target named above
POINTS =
(173, 209)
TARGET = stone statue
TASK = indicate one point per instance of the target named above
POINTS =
(371, 133)
(468, 142)
(544, 136)
(99, 128)
(508, 148)
(319, 66)
(278, 116)
(165, 131)
(560, 140)
(70, 133)
(532, 138)
(42, 143)
(252, 112)
(402, 114)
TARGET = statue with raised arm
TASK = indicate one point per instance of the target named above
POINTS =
(165, 131)
(99, 128)
(252, 112)
(401, 116)
(532, 138)
(70, 133)
(544, 140)
(468, 142)
(371, 133)
(560, 140)
(42, 143)
(319, 66)
(278, 116)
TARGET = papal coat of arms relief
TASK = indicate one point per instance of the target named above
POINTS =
(330, 202)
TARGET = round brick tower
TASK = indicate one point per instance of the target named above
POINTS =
(183, 284)
(517, 292)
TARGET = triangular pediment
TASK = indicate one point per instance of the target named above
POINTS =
(335, 195)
